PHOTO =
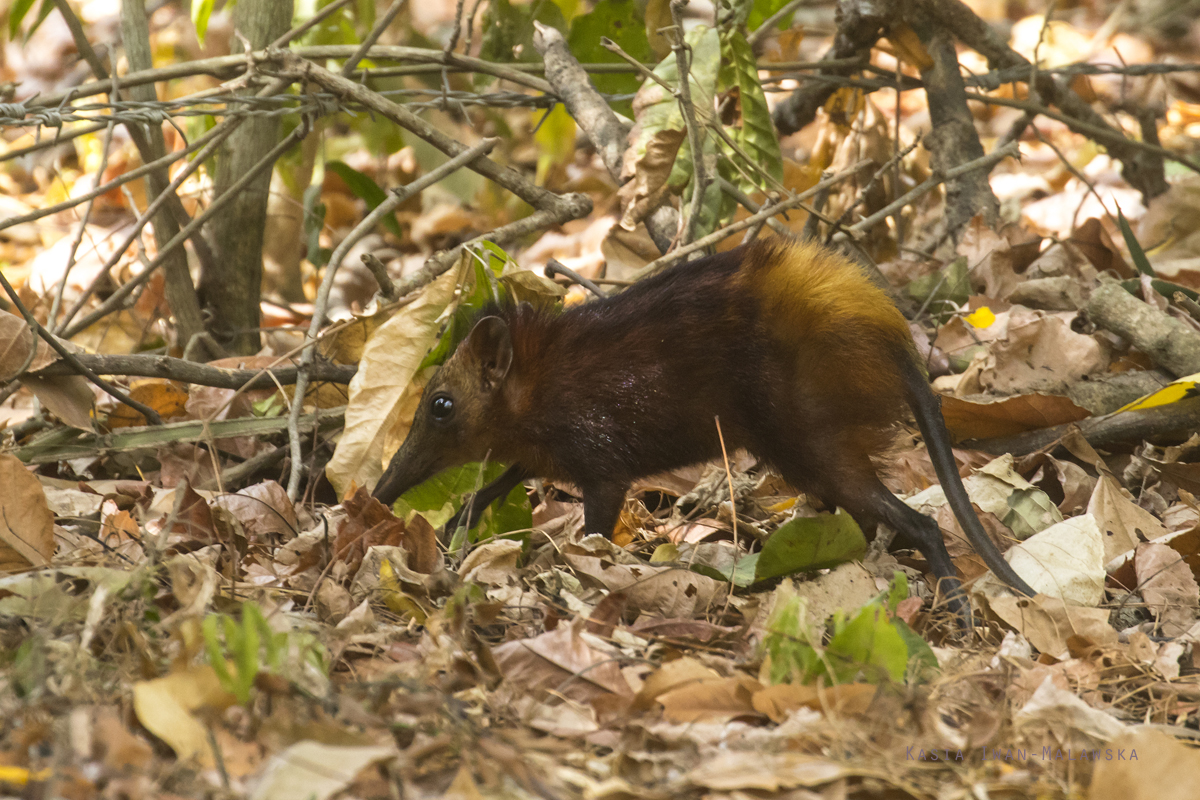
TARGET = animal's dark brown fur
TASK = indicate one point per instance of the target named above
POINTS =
(807, 364)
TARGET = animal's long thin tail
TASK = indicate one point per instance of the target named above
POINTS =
(927, 409)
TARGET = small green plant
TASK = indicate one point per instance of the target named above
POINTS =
(873, 646)
(250, 647)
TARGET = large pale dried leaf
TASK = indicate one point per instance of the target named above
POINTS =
(1057, 710)
(383, 383)
(671, 591)
(315, 770)
(562, 660)
(998, 489)
(847, 699)
(980, 418)
(491, 563)
(671, 676)
(1041, 354)
(27, 532)
(733, 771)
(165, 707)
(69, 397)
(1123, 522)
(1048, 622)
(713, 700)
(1064, 561)
(1165, 769)
(1168, 586)
(16, 340)
(263, 510)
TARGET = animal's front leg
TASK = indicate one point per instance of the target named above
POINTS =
(602, 504)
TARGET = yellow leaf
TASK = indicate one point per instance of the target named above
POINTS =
(981, 317)
(1185, 387)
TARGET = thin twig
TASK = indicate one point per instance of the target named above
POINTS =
(149, 413)
(556, 267)
(118, 297)
(695, 136)
(988, 161)
(768, 24)
(380, 26)
(309, 24)
(184, 371)
(387, 289)
(659, 264)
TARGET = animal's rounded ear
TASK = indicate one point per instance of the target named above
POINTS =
(490, 346)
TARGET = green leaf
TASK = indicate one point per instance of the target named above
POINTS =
(870, 646)
(761, 9)
(508, 30)
(922, 663)
(739, 573)
(810, 543)
(438, 498)
(1135, 250)
(943, 292)
(787, 644)
(659, 111)
(201, 11)
(314, 222)
(620, 21)
(897, 592)
(364, 187)
(16, 15)
(756, 135)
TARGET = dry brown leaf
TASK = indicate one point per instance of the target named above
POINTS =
(383, 396)
(733, 771)
(1048, 622)
(1164, 769)
(27, 535)
(671, 676)
(669, 591)
(165, 707)
(159, 394)
(263, 509)
(563, 660)
(848, 699)
(712, 700)
(1123, 522)
(1168, 586)
(980, 418)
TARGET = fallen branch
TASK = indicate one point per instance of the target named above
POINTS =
(1177, 420)
(62, 444)
(1170, 343)
(178, 369)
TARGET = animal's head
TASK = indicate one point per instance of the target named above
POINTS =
(455, 417)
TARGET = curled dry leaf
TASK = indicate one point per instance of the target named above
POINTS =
(168, 399)
(563, 660)
(1123, 522)
(1168, 586)
(27, 532)
(383, 395)
(368, 523)
(712, 700)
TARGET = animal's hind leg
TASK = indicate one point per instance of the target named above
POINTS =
(870, 502)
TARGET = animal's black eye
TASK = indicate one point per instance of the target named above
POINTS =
(441, 407)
